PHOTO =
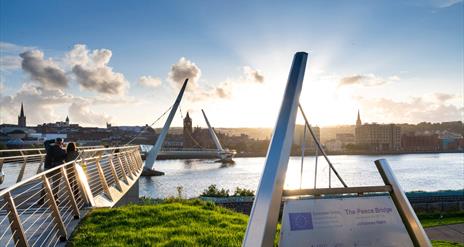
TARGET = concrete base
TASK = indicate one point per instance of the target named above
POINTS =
(131, 196)
(146, 172)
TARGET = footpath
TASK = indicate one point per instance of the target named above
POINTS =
(453, 233)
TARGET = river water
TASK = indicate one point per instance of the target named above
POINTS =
(426, 172)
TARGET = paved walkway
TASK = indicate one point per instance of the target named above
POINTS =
(453, 233)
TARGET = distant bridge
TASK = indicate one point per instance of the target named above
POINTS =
(44, 208)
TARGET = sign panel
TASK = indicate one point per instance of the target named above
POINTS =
(341, 222)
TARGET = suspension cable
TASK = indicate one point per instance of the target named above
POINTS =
(319, 146)
(315, 168)
(146, 127)
(303, 142)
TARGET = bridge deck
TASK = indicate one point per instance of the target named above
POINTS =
(44, 209)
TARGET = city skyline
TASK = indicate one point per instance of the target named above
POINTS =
(403, 65)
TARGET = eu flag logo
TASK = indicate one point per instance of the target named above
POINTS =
(300, 221)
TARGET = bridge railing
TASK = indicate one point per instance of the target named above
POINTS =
(30, 161)
(41, 210)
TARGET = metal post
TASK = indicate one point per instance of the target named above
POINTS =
(42, 160)
(54, 208)
(115, 175)
(69, 189)
(23, 168)
(103, 182)
(127, 166)
(153, 153)
(265, 212)
(2, 175)
(211, 132)
(123, 170)
(132, 161)
(82, 186)
(136, 160)
(16, 228)
(410, 220)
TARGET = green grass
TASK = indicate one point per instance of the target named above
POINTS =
(171, 223)
(175, 222)
(440, 243)
(437, 219)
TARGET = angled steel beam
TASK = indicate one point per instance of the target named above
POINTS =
(410, 220)
(153, 153)
(212, 133)
(265, 212)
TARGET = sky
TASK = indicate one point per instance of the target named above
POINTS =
(123, 62)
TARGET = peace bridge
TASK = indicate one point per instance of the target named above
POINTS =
(44, 208)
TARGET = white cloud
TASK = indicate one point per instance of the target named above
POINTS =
(367, 80)
(412, 110)
(182, 70)
(81, 111)
(149, 81)
(45, 71)
(443, 97)
(93, 73)
(6, 47)
(253, 75)
(444, 3)
(39, 103)
(8, 63)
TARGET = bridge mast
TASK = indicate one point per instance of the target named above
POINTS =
(212, 133)
(153, 153)
(265, 212)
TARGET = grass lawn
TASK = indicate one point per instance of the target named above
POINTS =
(185, 223)
(439, 243)
(429, 220)
(171, 223)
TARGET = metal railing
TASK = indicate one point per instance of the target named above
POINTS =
(33, 158)
(42, 210)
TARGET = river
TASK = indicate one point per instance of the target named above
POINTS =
(426, 172)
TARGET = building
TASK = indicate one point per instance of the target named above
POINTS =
(414, 142)
(188, 132)
(377, 137)
(309, 143)
(451, 141)
(345, 138)
(22, 118)
(334, 145)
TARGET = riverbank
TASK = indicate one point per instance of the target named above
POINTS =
(422, 202)
(309, 154)
(177, 222)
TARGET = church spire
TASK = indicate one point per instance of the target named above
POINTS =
(22, 117)
(358, 121)
(21, 114)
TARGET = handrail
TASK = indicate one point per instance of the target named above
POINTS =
(25, 160)
(17, 185)
(41, 209)
(43, 149)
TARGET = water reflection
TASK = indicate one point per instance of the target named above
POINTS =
(428, 172)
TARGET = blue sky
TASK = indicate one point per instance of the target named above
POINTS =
(396, 61)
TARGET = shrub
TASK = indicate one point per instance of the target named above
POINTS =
(243, 192)
(213, 191)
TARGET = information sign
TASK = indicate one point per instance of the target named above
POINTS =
(341, 222)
